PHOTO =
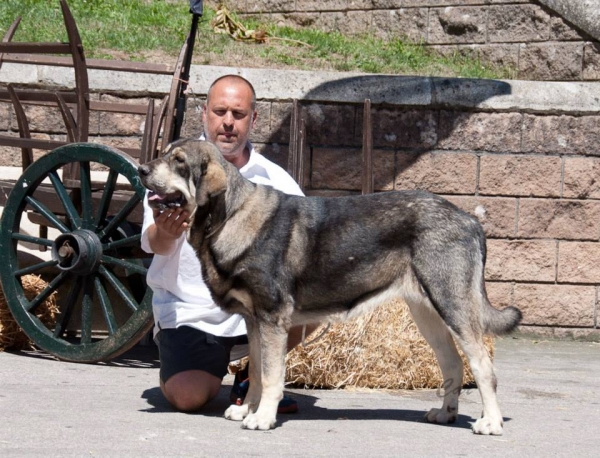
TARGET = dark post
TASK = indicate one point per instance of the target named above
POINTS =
(180, 106)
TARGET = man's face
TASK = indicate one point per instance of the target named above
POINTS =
(228, 118)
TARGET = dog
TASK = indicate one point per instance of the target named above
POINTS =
(282, 260)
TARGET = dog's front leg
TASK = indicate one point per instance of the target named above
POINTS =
(273, 346)
(238, 413)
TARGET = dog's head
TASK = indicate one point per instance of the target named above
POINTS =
(188, 175)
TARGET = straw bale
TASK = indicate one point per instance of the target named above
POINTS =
(380, 350)
(11, 335)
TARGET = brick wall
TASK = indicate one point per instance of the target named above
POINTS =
(521, 34)
(523, 157)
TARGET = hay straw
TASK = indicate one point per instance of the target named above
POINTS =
(380, 350)
(11, 335)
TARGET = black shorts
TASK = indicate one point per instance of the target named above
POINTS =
(187, 348)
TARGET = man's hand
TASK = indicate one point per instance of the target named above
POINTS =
(167, 228)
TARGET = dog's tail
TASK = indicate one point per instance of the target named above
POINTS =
(499, 322)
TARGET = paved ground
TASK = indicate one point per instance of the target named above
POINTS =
(549, 392)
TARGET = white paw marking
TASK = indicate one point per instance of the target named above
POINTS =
(487, 427)
(257, 421)
(236, 413)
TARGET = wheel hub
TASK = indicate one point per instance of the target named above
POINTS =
(78, 252)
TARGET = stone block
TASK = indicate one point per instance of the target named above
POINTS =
(192, 123)
(591, 61)
(559, 219)
(518, 23)
(561, 134)
(281, 114)
(498, 215)
(295, 19)
(409, 23)
(561, 30)
(499, 294)
(556, 305)
(391, 4)
(578, 262)
(521, 260)
(347, 22)
(5, 116)
(118, 142)
(398, 128)
(266, 6)
(510, 175)
(332, 5)
(545, 332)
(330, 125)
(275, 152)
(457, 25)
(437, 3)
(497, 132)
(262, 129)
(9, 156)
(341, 169)
(551, 61)
(439, 172)
(122, 123)
(41, 119)
(581, 178)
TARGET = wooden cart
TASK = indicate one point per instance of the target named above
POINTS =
(86, 199)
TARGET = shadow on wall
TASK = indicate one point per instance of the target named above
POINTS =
(410, 116)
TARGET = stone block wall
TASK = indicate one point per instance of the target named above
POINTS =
(520, 34)
(514, 154)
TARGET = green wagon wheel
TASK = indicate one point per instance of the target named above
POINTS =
(94, 264)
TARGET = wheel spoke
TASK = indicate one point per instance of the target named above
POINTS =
(52, 286)
(119, 217)
(86, 311)
(107, 309)
(120, 288)
(63, 195)
(47, 213)
(32, 239)
(87, 205)
(70, 302)
(131, 267)
(109, 189)
(126, 242)
(35, 267)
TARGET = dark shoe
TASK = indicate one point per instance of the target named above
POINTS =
(241, 383)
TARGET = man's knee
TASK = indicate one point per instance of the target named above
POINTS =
(191, 390)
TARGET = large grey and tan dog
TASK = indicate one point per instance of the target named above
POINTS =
(283, 260)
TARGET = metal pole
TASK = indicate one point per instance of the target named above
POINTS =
(180, 105)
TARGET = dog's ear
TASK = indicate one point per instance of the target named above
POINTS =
(212, 182)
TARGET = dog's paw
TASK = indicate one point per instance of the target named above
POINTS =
(256, 421)
(441, 416)
(487, 427)
(237, 413)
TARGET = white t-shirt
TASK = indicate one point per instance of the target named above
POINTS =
(180, 295)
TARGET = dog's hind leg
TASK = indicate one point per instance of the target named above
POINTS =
(273, 346)
(437, 334)
(481, 365)
(238, 413)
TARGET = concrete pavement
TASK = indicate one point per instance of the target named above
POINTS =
(549, 392)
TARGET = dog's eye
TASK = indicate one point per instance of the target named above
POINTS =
(180, 159)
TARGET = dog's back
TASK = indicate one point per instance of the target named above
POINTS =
(341, 253)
